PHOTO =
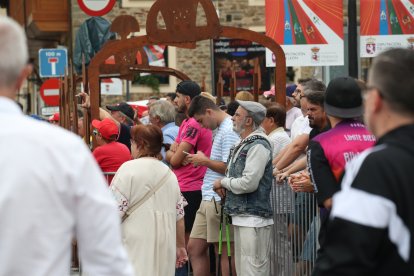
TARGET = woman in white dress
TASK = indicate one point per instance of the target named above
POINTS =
(150, 204)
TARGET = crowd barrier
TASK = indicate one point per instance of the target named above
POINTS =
(296, 228)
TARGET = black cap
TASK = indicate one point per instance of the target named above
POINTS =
(124, 108)
(189, 88)
(343, 98)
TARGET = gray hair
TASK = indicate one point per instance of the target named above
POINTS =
(392, 74)
(13, 51)
(313, 85)
(164, 110)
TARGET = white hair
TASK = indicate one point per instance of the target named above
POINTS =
(164, 110)
(13, 51)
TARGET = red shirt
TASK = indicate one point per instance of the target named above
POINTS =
(111, 156)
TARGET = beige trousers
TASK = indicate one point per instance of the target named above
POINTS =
(252, 250)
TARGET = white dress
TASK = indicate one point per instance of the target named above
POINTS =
(149, 233)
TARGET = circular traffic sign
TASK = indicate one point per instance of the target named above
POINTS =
(49, 91)
(96, 7)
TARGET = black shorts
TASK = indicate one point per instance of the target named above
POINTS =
(194, 199)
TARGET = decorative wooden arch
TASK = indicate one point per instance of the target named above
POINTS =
(180, 31)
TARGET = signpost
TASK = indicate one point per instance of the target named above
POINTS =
(49, 91)
(96, 7)
(52, 62)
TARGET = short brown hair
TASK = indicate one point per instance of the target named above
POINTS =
(278, 113)
(150, 137)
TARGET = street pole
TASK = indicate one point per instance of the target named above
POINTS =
(352, 39)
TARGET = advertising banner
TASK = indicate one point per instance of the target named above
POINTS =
(239, 54)
(386, 24)
(309, 31)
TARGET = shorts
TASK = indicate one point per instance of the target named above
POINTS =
(194, 199)
(207, 223)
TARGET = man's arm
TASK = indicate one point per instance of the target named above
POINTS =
(200, 159)
(86, 103)
(293, 151)
(256, 160)
(176, 158)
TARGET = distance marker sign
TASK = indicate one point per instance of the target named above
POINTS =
(96, 7)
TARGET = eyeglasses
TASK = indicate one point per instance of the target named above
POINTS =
(95, 132)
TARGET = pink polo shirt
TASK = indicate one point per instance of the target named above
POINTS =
(190, 178)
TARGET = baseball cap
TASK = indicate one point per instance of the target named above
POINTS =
(343, 98)
(55, 117)
(106, 127)
(124, 108)
(189, 88)
(256, 110)
(290, 89)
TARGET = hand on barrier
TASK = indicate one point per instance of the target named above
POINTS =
(301, 182)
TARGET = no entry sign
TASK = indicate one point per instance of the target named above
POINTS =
(96, 7)
(49, 91)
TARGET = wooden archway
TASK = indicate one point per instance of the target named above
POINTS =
(180, 31)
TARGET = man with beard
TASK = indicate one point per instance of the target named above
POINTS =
(329, 152)
(191, 138)
(246, 188)
(371, 225)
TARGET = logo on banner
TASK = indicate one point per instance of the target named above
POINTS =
(410, 43)
(315, 54)
(370, 46)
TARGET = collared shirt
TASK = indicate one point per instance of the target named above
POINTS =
(51, 191)
(291, 116)
(279, 139)
(300, 126)
(224, 139)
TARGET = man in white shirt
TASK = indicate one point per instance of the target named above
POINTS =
(52, 190)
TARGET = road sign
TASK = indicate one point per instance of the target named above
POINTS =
(49, 91)
(52, 62)
(96, 7)
(111, 86)
(49, 110)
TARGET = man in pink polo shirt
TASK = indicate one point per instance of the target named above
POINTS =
(192, 137)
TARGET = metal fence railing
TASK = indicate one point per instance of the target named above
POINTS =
(296, 227)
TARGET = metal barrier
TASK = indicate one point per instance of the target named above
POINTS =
(296, 228)
(109, 176)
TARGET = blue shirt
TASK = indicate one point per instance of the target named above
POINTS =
(169, 133)
(223, 140)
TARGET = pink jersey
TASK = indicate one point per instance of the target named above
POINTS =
(190, 178)
(343, 142)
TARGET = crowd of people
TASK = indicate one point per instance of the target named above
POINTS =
(193, 175)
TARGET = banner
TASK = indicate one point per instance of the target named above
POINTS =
(239, 54)
(309, 31)
(386, 24)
